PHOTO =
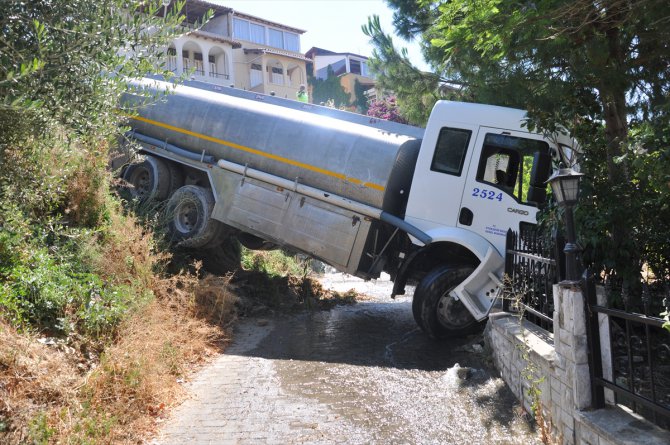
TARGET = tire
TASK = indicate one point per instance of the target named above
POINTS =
(149, 179)
(223, 258)
(254, 242)
(437, 314)
(188, 214)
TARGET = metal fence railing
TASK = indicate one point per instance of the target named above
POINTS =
(630, 351)
(530, 273)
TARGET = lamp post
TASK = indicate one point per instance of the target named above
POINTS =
(565, 186)
(166, 3)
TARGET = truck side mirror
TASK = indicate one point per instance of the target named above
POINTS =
(541, 169)
(537, 190)
(538, 195)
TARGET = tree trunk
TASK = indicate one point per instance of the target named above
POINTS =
(613, 98)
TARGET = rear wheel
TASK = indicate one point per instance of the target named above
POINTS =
(149, 179)
(437, 313)
(189, 215)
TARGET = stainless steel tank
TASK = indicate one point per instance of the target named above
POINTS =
(365, 163)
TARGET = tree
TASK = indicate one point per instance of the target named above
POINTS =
(602, 69)
(416, 92)
(361, 101)
(63, 67)
(66, 59)
(329, 88)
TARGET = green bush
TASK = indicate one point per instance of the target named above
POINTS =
(274, 262)
(49, 283)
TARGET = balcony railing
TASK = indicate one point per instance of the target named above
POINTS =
(219, 75)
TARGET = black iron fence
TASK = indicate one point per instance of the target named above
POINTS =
(630, 349)
(531, 271)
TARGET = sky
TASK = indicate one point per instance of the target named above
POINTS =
(334, 25)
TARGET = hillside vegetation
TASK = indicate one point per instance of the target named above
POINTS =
(99, 323)
(94, 336)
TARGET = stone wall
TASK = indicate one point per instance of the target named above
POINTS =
(555, 368)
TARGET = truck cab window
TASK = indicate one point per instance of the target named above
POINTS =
(516, 166)
(450, 151)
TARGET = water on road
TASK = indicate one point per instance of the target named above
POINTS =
(354, 374)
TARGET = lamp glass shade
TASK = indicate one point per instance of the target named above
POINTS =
(565, 186)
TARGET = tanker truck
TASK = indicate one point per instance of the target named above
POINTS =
(431, 207)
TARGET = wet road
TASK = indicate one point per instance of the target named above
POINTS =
(354, 374)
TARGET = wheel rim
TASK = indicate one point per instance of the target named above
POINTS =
(186, 218)
(142, 182)
(452, 313)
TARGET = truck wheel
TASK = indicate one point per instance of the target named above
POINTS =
(188, 213)
(148, 179)
(438, 314)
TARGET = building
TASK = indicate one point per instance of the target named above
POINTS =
(238, 49)
(349, 67)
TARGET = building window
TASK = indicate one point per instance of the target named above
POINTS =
(213, 72)
(241, 29)
(172, 59)
(253, 32)
(291, 42)
(364, 69)
(246, 30)
(256, 75)
(276, 38)
(354, 66)
(199, 67)
(185, 60)
(283, 40)
(277, 76)
(257, 33)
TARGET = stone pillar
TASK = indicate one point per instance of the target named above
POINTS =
(572, 346)
(605, 344)
(179, 46)
(205, 61)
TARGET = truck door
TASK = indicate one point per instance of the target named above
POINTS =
(439, 177)
(505, 183)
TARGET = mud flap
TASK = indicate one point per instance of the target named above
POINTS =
(479, 291)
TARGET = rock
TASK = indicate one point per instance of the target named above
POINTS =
(463, 373)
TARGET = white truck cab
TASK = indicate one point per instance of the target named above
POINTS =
(479, 173)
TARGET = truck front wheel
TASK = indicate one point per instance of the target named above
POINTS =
(189, 221)
(437, 313)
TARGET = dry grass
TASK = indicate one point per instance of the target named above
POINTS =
(33, 378)
(49, 395)
(86, 191)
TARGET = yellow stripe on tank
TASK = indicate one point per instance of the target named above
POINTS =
(295, 163)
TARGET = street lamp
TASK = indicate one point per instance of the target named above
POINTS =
(166, 3)
(565, 187)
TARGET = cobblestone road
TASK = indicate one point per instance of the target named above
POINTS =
(352, 375)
